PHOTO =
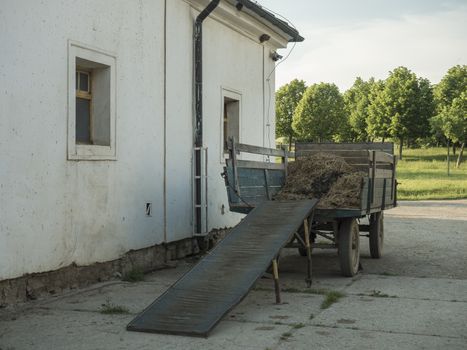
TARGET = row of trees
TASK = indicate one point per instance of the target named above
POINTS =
(403, 108)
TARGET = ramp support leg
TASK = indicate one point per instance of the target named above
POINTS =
(308, 251)
(275, 272)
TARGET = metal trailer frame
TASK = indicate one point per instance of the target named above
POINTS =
(249, 182)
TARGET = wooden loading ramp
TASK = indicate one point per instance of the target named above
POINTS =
(196, 303)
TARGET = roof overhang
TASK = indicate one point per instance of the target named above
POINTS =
(252, 20)
(265, 16)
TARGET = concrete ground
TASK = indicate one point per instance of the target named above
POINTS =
(413, 298)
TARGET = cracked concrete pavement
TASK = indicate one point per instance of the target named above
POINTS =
(415, 297)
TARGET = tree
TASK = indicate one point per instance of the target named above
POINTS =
(452, 121)
(451, 86)
(357, 101)
(396, 106)
(450, 95)
(378, 120)
(426, 109)
(320, 113)
(287, 99)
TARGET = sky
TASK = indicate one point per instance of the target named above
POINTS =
(345, 39)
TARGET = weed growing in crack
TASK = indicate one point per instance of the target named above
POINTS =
(110, 308)
(331, 298)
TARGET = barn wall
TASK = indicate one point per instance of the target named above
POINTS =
(55, 212)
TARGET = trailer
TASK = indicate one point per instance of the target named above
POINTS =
(251, 181)
(196, 303)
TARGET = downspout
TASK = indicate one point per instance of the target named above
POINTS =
(198, 137)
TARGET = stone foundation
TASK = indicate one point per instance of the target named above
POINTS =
(35, 285)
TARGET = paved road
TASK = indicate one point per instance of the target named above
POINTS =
(413, 298)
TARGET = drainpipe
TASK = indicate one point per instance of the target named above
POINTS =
(198, 137)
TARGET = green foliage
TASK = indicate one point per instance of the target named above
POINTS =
(400, 100)
(110, 308)
(320, 115)
(331, 298)
(378, 119)
(453, 84)
(420, 127)
(452, 119)
(357, 101)
(287, 99)
(451, 95)
(401, 107)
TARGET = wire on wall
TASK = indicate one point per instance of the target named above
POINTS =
(268, 79)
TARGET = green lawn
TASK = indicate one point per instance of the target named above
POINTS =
(422, 174)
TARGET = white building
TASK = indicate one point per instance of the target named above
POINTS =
(97, 115)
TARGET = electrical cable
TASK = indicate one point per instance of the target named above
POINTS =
(268, 79)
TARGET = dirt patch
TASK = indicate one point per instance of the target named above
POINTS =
(325, 176)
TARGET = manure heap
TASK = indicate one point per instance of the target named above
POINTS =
(325, 176)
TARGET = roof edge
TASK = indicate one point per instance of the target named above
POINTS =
(271, 18)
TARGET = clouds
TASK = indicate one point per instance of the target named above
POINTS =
(428, 44)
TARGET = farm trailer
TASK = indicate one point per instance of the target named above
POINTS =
(196, 303)
(249, 183)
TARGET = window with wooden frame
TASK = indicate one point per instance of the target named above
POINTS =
(91, 103)
(83, 107)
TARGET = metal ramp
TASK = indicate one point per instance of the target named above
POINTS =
(197, 302)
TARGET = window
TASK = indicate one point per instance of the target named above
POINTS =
(91, 111)
(83, 107)
(230, 118)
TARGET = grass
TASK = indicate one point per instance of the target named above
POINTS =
(286, 335)
(331, 298)
(110, 308)
(135, 275)
(422, 174)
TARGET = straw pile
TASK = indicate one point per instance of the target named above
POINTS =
(325, 176)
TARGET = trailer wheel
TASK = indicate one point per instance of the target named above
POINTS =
(376, 235)
(349, 247)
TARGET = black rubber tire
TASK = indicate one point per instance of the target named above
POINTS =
(349, 247)
(376, 235)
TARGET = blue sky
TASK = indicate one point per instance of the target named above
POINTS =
(345, 39)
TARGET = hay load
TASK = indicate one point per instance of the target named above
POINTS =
(325, 176)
